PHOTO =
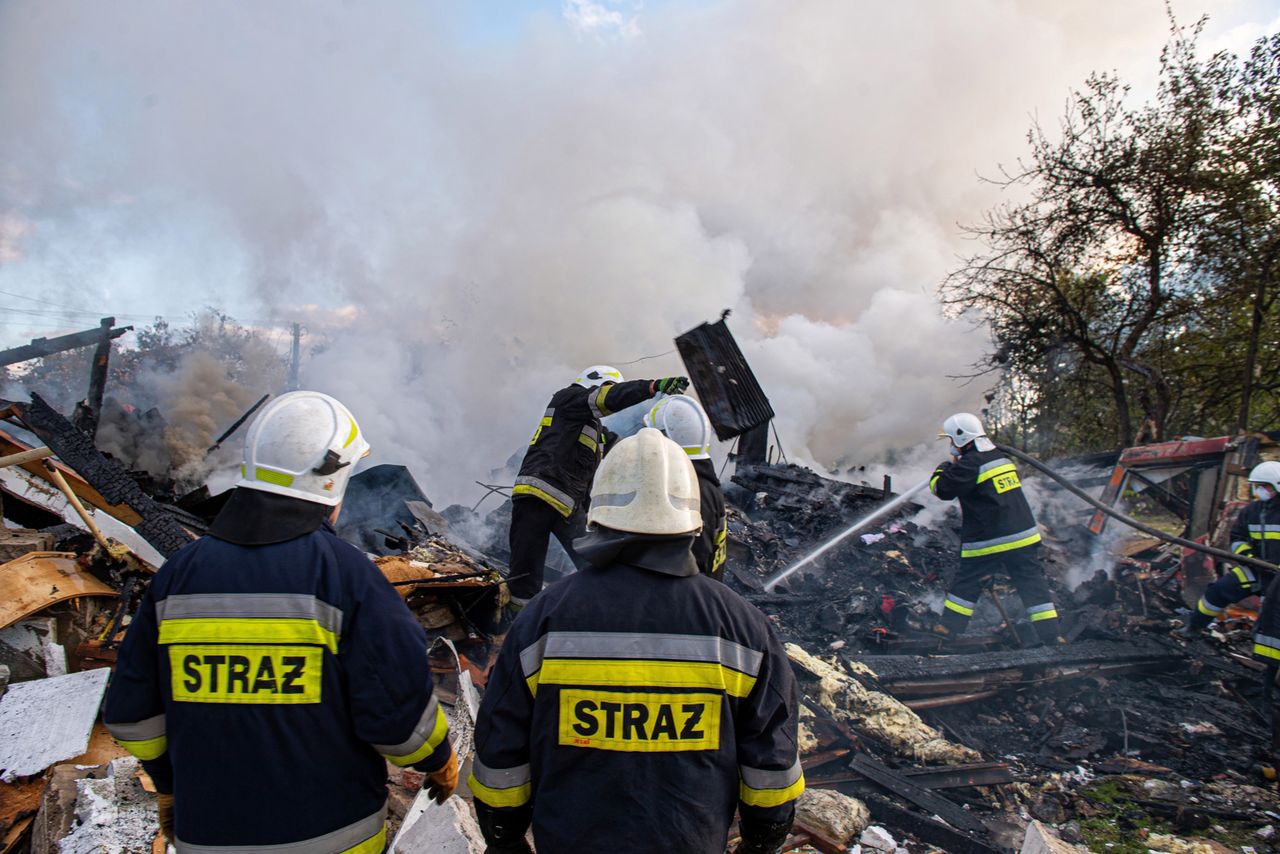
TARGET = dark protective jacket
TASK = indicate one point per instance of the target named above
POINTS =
(633, 710)
(996, 517)
(711, 546)
(1256, 533)
(264, 685)
(567, 446)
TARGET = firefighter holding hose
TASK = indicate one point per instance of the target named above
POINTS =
(998, 532)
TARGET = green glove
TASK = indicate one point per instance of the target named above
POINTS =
(671, 385)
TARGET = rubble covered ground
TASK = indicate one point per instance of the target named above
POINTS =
(1124, 740)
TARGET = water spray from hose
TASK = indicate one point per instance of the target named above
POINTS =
(871, 518)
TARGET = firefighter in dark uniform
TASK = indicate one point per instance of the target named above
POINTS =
(683, 421)
(637, 705)
(558, 465)
(1255, 533)
(271, 670)
(998, 530)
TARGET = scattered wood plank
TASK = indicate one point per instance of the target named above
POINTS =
(901, 786)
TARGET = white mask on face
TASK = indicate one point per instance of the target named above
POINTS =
(955, 452)
(1263, 493)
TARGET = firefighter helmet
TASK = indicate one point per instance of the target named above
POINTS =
(305, 445)
(963, 428)
(1266, 472)
(598, 375)
(646, 485)
(682, 420)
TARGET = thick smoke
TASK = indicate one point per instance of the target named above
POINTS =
(469, 212)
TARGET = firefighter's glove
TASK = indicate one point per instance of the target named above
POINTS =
(671, 385)
(504, 829)
(164, 805)
(763, 837)
(440, 784)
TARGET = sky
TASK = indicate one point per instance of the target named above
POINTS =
(467, 203)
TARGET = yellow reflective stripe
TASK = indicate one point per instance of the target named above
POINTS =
(1044, 615)
(247, 630)
(525, 489)
(587, 440)
(1265, 535)
(958, 608)
(1002, 547)
(1266, 651)
(1244, 579)
(933, 483)
(600, 396)
(996, 472)
(151, 748)
(641, 673)
(438, 734)
(1241, 548)
(516, 796)
(373, 845)
(770, 797)
(1205, 608)
(269, 476)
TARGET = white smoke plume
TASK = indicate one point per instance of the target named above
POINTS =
(482, 208)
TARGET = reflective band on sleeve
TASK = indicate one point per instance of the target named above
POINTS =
(366, 836)
(596, 401)
(1204, 606)
(721, 543)
(764, 788)
(933, 483)
(1245, 577)
(960, 606)
(144, 739)
(1008, 543)
(500, 787)
(1240, 548)
(428, 734)
(1267, 647)
(1042, 612)
(536, 487)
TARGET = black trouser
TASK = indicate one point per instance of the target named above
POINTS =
(1022, 566)
(533, 521)
(1236, 583)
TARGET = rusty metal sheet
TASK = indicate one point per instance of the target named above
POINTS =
(37, 580)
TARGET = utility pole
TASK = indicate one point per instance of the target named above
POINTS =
(294, 358)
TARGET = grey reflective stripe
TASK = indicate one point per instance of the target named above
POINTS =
(590, 433)
(1209, 608)
(538, 483)
(421, 732)
(1267, 641)
(994, 464)
(1000, 541)
(965, 602)
(279, 606)
(1235, 545)
(591, 402)
(531, 656)
(1248, 573)
(1038, 609)
(759, 778)
(613, 499)
(550, 413)
(1268, 529)
(622, 645)
(339, 840)
(140, 731)
(501, 778)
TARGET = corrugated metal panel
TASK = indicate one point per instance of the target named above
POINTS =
(728, 389)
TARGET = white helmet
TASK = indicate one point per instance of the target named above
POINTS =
(682, 420)
(1266, 472)
(963, 428)
(305, 445)
(646, 485)
(598, 375)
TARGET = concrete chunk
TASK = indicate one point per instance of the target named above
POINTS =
(448, 828)
(48, 721)
(1040, 840)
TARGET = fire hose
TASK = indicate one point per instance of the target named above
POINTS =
(1221, 554)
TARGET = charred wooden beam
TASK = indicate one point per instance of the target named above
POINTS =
(927, 829)
(903, 787)
(40, 347)
(90, 410)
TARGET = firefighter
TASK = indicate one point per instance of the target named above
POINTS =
(558, 464)
(683, 421)
(636, 705)
(271, 670)
(1251, 535)
(998, 530)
